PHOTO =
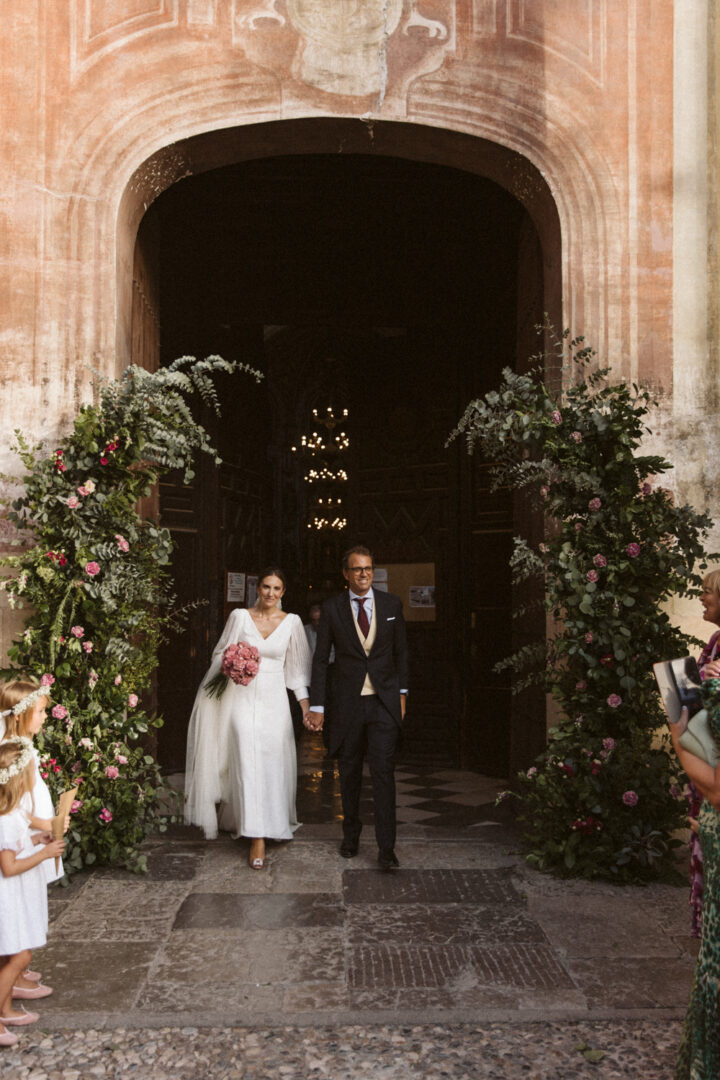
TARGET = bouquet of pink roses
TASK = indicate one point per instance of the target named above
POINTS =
(240, 663)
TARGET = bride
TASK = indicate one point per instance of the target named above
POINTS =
(241, 747)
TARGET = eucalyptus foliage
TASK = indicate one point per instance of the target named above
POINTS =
(604, 799)
(95, 579)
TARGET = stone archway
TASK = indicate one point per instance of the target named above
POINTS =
(107, 106)
(467, 533)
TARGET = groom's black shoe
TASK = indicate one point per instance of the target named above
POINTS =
(387, 859)
(349, 849)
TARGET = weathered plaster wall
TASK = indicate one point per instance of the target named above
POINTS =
(103, 102)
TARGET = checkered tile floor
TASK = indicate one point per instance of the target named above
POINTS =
(449, 798)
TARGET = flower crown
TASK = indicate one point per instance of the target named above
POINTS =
(26, 702)
(21, 762)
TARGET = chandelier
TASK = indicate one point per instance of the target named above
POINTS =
(322, 454)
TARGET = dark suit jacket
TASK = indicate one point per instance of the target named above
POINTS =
(387, 663)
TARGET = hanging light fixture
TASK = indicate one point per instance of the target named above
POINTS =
(325, 475)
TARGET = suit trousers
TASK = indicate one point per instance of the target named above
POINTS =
(375, 732)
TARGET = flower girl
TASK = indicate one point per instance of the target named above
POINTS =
(23, 888)
(23, 706)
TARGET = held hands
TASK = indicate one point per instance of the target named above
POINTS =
(313, 721)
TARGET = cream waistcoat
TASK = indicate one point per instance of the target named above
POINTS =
(367, 643)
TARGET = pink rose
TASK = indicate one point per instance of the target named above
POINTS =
(614, 700)
(88, 646)
(594, 504)
(633, 550)
(105, 815)
(88, 743)
(609, 744)
(72, 501)
(92, 569)
(121, 759)
(112, 772)
(59, 712)
(82, 490)
(77, 803)
(589, 637)
(646, 488)
(600, 561)
(592, 575)
(556, 417)
(77, 631)
(117, 680)
(544, 491)
(578, 526)
(47, 679)
(630, 798)
(576, 436)
(122, 543)
(581, 685)
(133, 700)
(103, 461)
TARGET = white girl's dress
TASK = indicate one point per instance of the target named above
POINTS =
(23, 898)
(241, 747)
(43, 808)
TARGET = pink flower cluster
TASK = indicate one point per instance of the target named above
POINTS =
(92, 569)
(633, 550)
(614, 700)
(122, 543)
(556, 417)
(594, 504)
(105, 816)
(241, 663)
(630, 798)
(112, 772)
(600, 561)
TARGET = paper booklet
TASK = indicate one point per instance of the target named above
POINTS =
(679, 684)
(58, 822)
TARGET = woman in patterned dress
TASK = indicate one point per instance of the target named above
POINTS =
(699, 1055)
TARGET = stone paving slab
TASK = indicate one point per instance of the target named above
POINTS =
(464, 931)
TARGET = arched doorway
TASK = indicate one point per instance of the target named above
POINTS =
(397, 287)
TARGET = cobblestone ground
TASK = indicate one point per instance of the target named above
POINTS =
(602, 1050)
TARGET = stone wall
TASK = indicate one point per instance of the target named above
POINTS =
(106, 104)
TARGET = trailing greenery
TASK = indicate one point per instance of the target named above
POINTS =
(604, 799)
(96, 580)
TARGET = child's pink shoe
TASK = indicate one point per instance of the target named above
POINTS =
(33, 976)
(8, 1039)
(27, 992)
(25, 1017)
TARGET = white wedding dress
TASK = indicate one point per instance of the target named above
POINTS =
(241, 747)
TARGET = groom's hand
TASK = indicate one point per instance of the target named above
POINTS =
(314, 721)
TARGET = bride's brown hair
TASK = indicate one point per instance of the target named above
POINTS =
(273, 571)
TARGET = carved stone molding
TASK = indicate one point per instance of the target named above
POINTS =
(576, 33)
(99, 28)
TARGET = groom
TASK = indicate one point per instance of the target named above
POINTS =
(367, 631)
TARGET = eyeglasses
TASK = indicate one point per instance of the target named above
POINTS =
(360, 569)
